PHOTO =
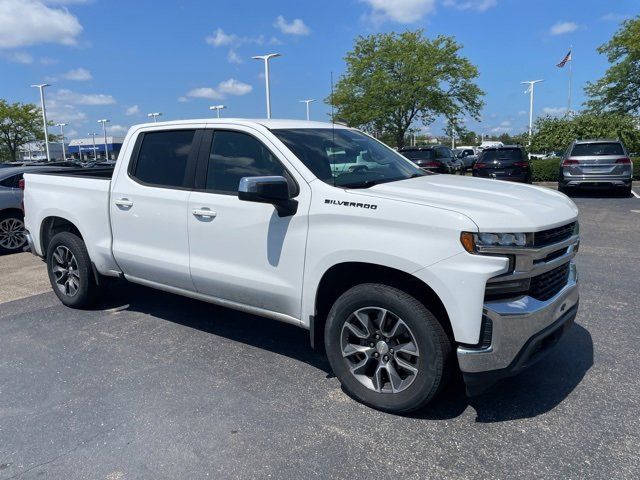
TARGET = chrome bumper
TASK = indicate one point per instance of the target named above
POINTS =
(515, 323)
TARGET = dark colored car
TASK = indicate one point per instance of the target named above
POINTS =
(503, 163)
(435, 158)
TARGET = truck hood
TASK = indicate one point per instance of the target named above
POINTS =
(493, 205)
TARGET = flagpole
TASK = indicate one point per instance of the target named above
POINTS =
(570, 78)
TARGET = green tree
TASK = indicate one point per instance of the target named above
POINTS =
(20, 123)
(619, 89)
(553, 133)
(395, 80)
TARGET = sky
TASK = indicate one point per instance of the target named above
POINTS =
(121, 59)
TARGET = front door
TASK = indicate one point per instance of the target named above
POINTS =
(241, 251)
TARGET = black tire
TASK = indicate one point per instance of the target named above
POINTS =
(12, 238)
(626, 192)
(81, 273)
(566, 190)
(433, 345)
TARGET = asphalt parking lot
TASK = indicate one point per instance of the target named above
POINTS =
(151, 385)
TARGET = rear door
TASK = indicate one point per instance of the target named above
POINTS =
(243, 252)
(149, 205)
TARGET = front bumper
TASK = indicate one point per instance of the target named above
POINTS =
(522, 330)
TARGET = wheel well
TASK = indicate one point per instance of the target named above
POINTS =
(53, 225)
(339, 278)
(12, 211)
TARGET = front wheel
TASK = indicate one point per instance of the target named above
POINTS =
(386, 348)
(70, 272)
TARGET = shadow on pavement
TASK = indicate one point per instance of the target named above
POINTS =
(597, 193)
(534, 392)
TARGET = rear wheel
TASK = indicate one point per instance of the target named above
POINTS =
(386, 348)
(70, 272)
(12, 237)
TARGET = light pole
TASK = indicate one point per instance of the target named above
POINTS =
(104, 131)
(41, 87)
(307, 102)
(155, 116)
(95, 157)
(529, 90)
(266, 59)
(62, 125)
(217, 108)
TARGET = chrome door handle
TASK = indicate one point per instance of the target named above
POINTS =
(204, 212)
(124, 202)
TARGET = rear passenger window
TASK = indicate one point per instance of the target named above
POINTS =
(162, 160)
(235, 155)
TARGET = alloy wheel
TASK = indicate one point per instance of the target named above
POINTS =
(65, 271)
(380, 350)
(12, 233)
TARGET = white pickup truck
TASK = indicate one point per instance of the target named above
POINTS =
(398, 273)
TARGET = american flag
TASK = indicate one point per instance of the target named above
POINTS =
(567, 58)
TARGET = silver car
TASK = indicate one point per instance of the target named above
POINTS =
(11, 214)
(596, 163)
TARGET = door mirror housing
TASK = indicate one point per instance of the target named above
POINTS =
(272, 189)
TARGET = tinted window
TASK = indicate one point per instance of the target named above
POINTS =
(163, 158)
(235, 155)
(11, 182)
(419, 154)
(596, 149)
(443, 153)
(514, 154)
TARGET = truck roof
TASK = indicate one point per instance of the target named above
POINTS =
(268, 123)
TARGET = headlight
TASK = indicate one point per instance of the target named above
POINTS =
(471, 241)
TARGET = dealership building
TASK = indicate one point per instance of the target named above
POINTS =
(85, 148)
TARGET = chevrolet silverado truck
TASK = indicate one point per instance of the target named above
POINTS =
(401, 276)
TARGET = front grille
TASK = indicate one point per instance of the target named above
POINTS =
(553, 235)
(546, 285)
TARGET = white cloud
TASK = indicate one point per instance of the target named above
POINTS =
(77, 75)
(132, 110)
(400, 11)
(522, 112)
(116, 129)
(478, 5)
(554, 111)
(233, 57)
(295, 27)
(560, 28)
(220, 38)
(20, 57)
(58, 111)
(76, 98)
(228, 87)
(30, 22)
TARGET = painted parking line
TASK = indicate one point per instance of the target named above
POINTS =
(634, 194)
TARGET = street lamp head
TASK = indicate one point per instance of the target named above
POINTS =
(41, 85)
(266, 57)
(104, 120)
(154, 114)
(61, 124)
(308, 100)
(217, 107)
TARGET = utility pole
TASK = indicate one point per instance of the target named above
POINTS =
(104, 131)
(217, 108)
(41, 87)
(530, 90)
(155, 116)
(62, 125)
(95, 155)
(266, 59)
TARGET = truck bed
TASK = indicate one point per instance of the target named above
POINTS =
(81, 197)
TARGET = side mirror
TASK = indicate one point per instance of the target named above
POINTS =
(273, 190)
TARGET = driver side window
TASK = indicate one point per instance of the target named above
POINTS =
(235, 155)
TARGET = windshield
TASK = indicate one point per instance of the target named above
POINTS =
(514, 154)
(597, 149)
(346, 158)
